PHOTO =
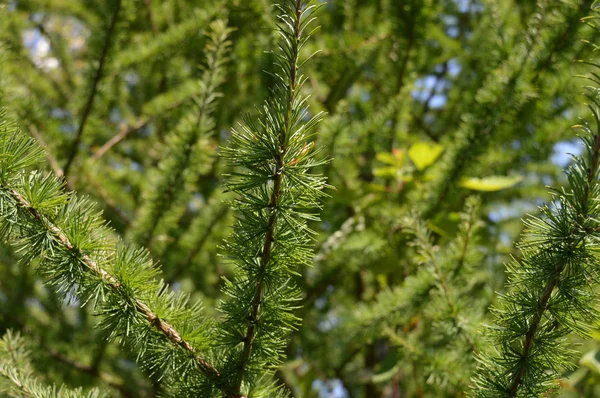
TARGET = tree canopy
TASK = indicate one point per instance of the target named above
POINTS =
(246, 198)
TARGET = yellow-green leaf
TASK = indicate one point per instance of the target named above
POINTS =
(395, 158)
(386, 157)
(386, 375)
(424, 154)
(591, 360)
(377, 187)
(385, 171)
(491, 183)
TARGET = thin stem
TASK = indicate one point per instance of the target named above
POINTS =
(17, 382)
(453, 311)
(529, 337)
(126, 130)
(120, 136)
(273, 203)
(88, 369)
(59, 51)
(198, 246)
(51, 159)
(465, 246)
(168, 193)
(97, 77)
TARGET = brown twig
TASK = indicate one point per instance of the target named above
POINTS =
(128, 129)
(365, 43)
(120, 136)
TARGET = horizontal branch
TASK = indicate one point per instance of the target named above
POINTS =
(83, 368)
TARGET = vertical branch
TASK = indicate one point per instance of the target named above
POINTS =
(96, 81)
(265, 256)
(550, 291)
(183, 143)
(276, 195)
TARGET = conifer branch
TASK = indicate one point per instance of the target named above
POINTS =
(159, 105)
(38, 76)
(550, 288)
(16, 371)
(183, 145)
(333, 243)
(275, 193)
(124, 131)
(470, 225)
(284, 132)
(62, 231)
(105, 377)
(95, 83)
(484, 121)
(384, 292)
(160, 325)
(180, 267)
(159, 45)
(592, 175)
(446, 277)
(430, 306)
(51, 159)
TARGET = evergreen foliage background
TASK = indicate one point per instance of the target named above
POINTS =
(250, 208)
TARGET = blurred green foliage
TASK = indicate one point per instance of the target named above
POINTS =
(429, 103)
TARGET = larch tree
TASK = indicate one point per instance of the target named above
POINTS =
(301, 198)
